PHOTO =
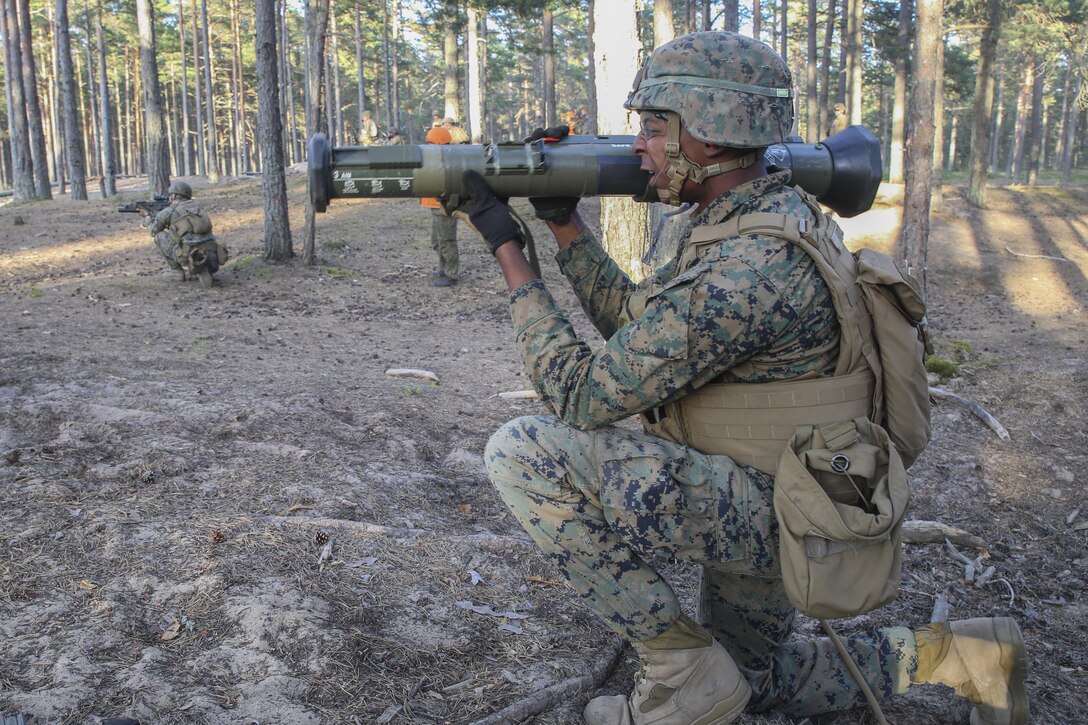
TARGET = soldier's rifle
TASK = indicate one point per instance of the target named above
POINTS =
(152, 207)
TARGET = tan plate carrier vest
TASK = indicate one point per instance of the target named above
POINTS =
(752, 422)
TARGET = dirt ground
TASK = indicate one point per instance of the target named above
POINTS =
(176, 460)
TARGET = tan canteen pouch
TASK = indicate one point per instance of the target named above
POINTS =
(840, 497)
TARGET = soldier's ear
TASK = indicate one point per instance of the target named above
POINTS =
(713, 150)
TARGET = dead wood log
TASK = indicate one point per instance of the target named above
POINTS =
(978, 410)
(490, 542)
(918, 531)
(561, 692)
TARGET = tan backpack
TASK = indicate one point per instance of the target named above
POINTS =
(838, 446)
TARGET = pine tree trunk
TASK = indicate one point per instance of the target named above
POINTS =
(825, 86)
(109, 162)
(812, 111)
(360, 79)
(209, 104)
(317, 17)
(551, 115)
(241, 158)
(73, 140)
(982, 127)
(158, 163)
(664, 30)
(625, 228)
(999, 117)
(913, 242)
(449, 57)
(198, 98)
(1069, 131)
(899, 104)
(475, 77)
(56, 115)
(38, 156)
(757, 18)
(394, 98)
(1023, 108)
(857, 10)
(936, 201)
(1035, 143)
(22, 161)
(336, 118)
(277, 226)
(186, 160)
(591, 30)
(289, 88)
(730, 16)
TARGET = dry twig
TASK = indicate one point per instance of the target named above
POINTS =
(978, 410)
(1038, 256)
(918, 531)
(561, 692)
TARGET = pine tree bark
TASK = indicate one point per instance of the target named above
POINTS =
(209, 104)
(1035, 135)
(854, 52)
(1069, 130)
(22, 161)
(109, 158)
(317, 18)
(664, 30)
(158, 162)
(186, 159)
(551, 114)
(336, 118)
(475, 76)
(812, 111)
(591, 31)
(360, 79)
(198, 98)
(899, 104)
(38, 156)
(936, 195)
(449, 57)
(1023, 110)
(825, 85)
(913, 242)
(625, 228)
(757, 18)
(277, 226)
(73, 139)
(394, 96)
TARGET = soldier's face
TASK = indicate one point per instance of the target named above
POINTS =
(650, 143)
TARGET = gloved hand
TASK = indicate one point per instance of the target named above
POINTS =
(552, 208)
(487, 213)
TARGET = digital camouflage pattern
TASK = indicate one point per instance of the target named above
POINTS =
(727, 88)
(183, 221)
(603, 501)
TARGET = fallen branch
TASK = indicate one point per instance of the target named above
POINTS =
(561, 692)
(355, 528)
(978, 410)
(1038, 256)
(941, 609)
(934, 532)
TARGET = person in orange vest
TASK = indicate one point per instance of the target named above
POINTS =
(443, 227)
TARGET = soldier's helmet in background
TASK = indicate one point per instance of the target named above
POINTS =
(181, 189)
(727, 88)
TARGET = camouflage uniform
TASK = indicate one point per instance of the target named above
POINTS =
(173, 225)
(604, 500)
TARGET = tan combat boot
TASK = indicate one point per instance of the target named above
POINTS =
(984, 660)
(686, 678)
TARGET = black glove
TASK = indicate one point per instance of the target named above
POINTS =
(552, 208)
(487, 213)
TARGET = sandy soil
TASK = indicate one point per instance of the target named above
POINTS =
(176, 460)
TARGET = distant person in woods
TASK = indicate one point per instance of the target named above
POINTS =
(183, 234)
(394, 139)
(838, 121)
(736, 341)
(443, 227)
(457, 134)
(368, 131)
(436, 119)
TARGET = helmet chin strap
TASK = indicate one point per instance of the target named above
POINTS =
(680, 168)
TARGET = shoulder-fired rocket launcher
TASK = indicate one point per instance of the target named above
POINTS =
(843, 171)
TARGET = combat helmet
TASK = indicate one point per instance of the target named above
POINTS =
(181, 189)
(726, 88)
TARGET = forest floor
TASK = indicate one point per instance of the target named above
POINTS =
(174, 459)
